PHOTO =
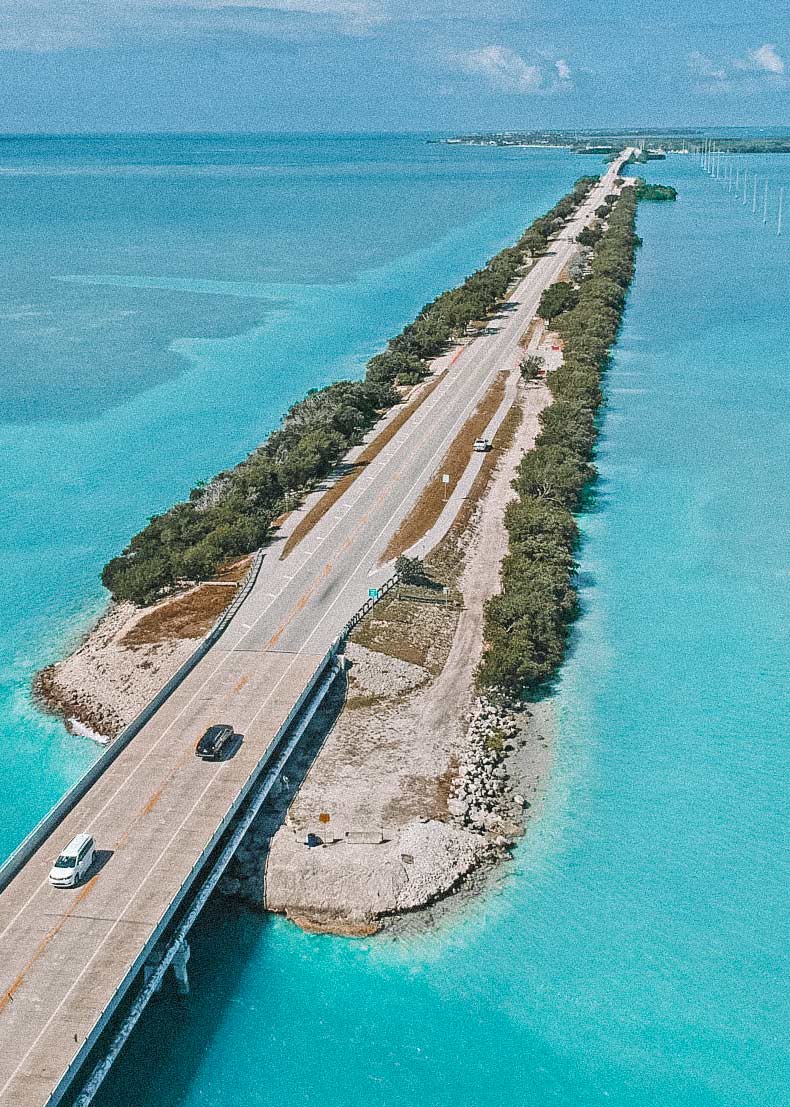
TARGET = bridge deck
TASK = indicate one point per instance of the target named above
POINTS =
(152, 814)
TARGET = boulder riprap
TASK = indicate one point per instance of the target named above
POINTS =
(480, 797)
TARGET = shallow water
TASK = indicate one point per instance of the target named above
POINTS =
(634, 954)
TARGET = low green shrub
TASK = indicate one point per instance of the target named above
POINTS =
(527, 622)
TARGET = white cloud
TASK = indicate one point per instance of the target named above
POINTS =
(504, 69)
(723, 74)
(563, 69)
(706, 67)
(766, 58)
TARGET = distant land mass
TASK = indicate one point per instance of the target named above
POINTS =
(653, 143)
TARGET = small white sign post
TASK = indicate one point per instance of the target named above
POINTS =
(445, 482)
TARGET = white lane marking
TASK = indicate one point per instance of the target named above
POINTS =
(372, 545)
(489, 352)
(127, 779)
(222, 662)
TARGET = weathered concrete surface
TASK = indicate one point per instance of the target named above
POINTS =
(64, 953)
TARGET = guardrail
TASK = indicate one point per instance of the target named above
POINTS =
(40, 832)
(257, 795)
(28, 846)
(328, 660)
(369, 604)
(191, 878)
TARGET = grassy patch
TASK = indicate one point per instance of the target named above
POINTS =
(235, 570)
(495, 743)
(446, 559)
(430, 505)
(188, 616)
(410, 631)
(420, 633)
(341, 486)
(533, 329)
(193, 614)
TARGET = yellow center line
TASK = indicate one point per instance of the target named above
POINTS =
(42, 945)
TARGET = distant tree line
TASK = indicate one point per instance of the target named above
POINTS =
(645, 191)
(527, 623)
(232, 514)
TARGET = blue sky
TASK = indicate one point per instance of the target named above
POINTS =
(335, 65)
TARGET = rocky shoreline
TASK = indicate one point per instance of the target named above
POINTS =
(100, 687)
(410, 786)
(481, 796)
(359, 888)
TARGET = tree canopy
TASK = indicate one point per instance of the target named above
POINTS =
(527, 622)
(557, 298)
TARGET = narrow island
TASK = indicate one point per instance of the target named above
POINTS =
(427, 760)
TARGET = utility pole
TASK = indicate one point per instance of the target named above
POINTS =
(779, 221)
(765, 202)
(754, 197)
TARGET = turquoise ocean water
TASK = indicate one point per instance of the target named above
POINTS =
(633, 955)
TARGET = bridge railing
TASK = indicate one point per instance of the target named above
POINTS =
(327, 661)
(369, 604)
(191, 879)
(71, 798)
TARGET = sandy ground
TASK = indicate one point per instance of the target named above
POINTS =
(388, 767)
(105, 683)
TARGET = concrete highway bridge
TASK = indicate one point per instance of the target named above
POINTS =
(78, 965)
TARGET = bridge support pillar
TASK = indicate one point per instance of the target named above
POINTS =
(149, 969)
(180, 968)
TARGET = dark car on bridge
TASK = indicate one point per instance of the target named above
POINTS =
(214, 741)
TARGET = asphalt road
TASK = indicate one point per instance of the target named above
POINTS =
(65, 954)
